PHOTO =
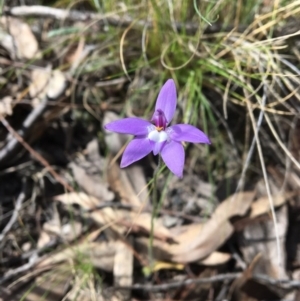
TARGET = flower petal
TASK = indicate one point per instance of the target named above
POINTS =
(133, 126)
(137, 149)
(187, 133)
(173, 155)
(166, 100)
(157, 146)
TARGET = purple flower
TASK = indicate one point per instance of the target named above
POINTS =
(157, 136)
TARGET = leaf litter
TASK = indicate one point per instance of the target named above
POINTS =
(86, 236)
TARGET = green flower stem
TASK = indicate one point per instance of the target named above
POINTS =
(154, 212)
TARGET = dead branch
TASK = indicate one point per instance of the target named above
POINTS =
(283, 283)
(15, 214)
(13, 146)
(24, 268)
(172, 285)
(49, 12)
(36, 155)
(40, 11)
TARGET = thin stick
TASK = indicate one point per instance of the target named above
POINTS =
(36, 155)
(15, 214)
(112, 19)
(172, 285)
(282, 283)
(265, 175)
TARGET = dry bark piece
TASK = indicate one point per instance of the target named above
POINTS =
(260, 237)
(52, 284)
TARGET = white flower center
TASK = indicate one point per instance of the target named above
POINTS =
(158, 136)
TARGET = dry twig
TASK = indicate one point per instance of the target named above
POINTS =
(15, 214)
(40, 11)
(36, 155)
(13, 146)
(283, 283)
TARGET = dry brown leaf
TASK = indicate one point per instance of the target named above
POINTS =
(119, 182)
(138, 181)
(118, 219)
(19, 41)
(71, 231)
(44, 239)
(144, 220)
(51, 228)
(39, 82)
(99, 254)
(213, 234)
(187, 233)
(57, 84)
(88, 172)
(91, 184)
(205, 239)
(235, 205)
(161, 253)
(215, 258)
(46, 82)
(75, 56)
(106, 216)
(262, 205)
(80, 198)
(123, 268)
(160, 249)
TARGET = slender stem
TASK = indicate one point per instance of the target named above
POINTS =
(154, 211)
